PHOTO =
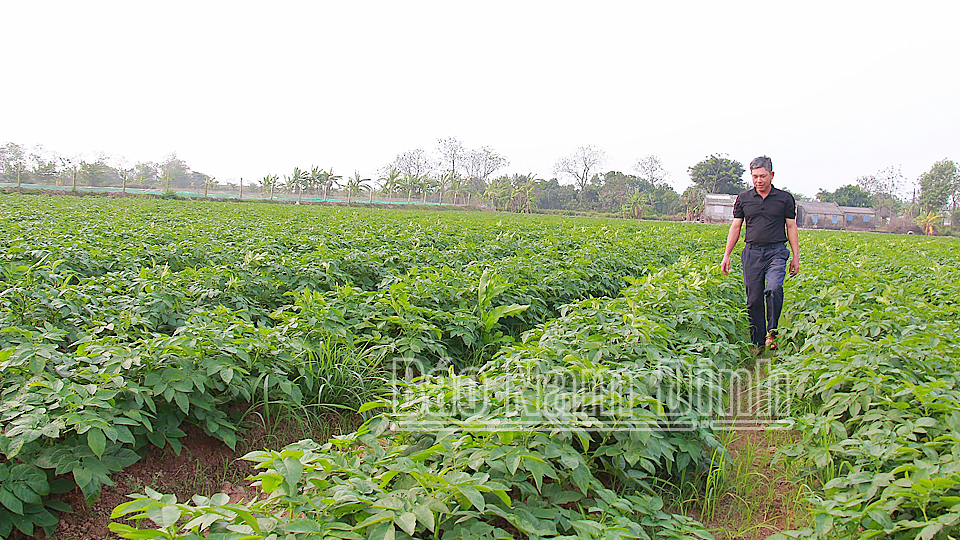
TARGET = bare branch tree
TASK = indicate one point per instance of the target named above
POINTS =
(414, 162)
(651, 169)
(481, 163)
(452, 156)
(888, 181)
(581, 165)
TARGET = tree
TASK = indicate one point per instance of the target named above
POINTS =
(651, 169)
(938, 185)
(692, 200)
(72, 164)
(297, 181)
(316, 179)
(848, 195)
(12, 159)
(98, 173)
(718, 174)
(355, 185)
(330, 181)
(426, 185)
(409, 183)
(147, 173)
(210, 182)
(885, 182)
(390, 181)
(414, 162)
(551, 194)
(268, 183)
(482, 163)
(581, 165)
(499, 192)
(444, 183)
(453, 156)
(928, 220)
(46, 169)
(176, 172)
(635, 206)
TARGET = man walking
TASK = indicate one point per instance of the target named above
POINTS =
(771, 218)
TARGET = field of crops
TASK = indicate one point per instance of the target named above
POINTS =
(521, 376)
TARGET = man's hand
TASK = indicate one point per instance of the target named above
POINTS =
(794, 266)
(725, 265)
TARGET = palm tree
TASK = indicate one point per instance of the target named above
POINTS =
(329, 182)
(211, 181)
(355, 185)
(391, 183)
(373, 188)
(446, 182)
(427, 184)
(268, 182)
(635, 206)
(317, 179)
(297, 181)
(410, 182)
(456, 186)
(927, 221)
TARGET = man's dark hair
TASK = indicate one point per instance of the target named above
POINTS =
(762, 162)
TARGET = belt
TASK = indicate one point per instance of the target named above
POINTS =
(763, 246)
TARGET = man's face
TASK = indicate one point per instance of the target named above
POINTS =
(762, 179)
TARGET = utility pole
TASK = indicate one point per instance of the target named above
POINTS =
(19, 166)
(241, 188)
(74, 177)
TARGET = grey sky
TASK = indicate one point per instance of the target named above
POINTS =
(829, 90)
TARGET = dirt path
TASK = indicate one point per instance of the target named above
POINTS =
(753, 495)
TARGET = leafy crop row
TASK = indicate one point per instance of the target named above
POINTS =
(124, 319)
(570, 433)
(873, 377)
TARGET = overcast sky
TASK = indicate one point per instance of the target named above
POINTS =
(830, 90)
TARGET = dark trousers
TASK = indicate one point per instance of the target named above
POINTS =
(764, 268)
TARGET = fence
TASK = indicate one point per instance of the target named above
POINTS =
(254, 194)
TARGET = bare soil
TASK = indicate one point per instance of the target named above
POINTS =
(763, 498)
(205, 466)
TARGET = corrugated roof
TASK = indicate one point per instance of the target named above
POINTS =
(857, 210)
(812, 207)
(720, 198)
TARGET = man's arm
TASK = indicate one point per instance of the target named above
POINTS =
(733, 236)
(793, 236)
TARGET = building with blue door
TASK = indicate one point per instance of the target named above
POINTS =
(819, 215)
(855, 217)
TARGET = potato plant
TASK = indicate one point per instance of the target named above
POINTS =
(124, 319)
(873, 369)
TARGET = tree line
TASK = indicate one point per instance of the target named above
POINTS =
(452, 173)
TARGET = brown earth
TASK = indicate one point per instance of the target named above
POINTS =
(760, 495)
(205, 466)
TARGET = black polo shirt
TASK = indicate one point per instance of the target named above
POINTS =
(765, 218)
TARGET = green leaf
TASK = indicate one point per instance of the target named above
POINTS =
(303, 526)
(425, 515)
(473, 495)
(97, 441)
(270, 482)
(406, 521)
(164, 515)
(929, 531)
(182, 401)
(126, 531)
(82, 476)
(11, 501)
(382, 531)
(372, 405)
(291, 469)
